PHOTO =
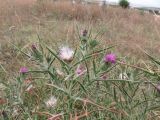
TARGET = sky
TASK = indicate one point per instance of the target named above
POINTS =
(142, 3)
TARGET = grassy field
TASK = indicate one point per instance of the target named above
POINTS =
(125, 90)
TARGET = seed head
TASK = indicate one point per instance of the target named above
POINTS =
(60, 73)
(51, 102)
(66, 54)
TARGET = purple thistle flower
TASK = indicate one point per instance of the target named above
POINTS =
(23, 70)
(110, 58)
(80, 70)
(33, 47)
(84, 33)
(103, 76)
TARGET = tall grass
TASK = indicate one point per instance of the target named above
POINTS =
(56, 21)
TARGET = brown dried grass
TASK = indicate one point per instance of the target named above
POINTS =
(127, 28)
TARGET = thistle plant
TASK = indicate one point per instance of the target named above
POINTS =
(85, 82)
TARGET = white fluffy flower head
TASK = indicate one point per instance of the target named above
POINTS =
(51, 102)
(66, 53)
(60, 73)
(123, 76)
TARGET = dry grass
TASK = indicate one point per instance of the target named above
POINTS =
(56, 22)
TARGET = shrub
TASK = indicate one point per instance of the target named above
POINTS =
(124, 3)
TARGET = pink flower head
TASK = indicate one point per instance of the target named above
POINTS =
(103, 76)
(33, 47)
(110, 58)
(84, 33)
(80, 70)
(23, 70)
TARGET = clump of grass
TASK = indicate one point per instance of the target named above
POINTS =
(88, 82)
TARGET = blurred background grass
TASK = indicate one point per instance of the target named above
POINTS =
(56, 22)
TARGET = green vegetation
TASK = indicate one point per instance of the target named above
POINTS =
(124, 3)
(59, 61)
